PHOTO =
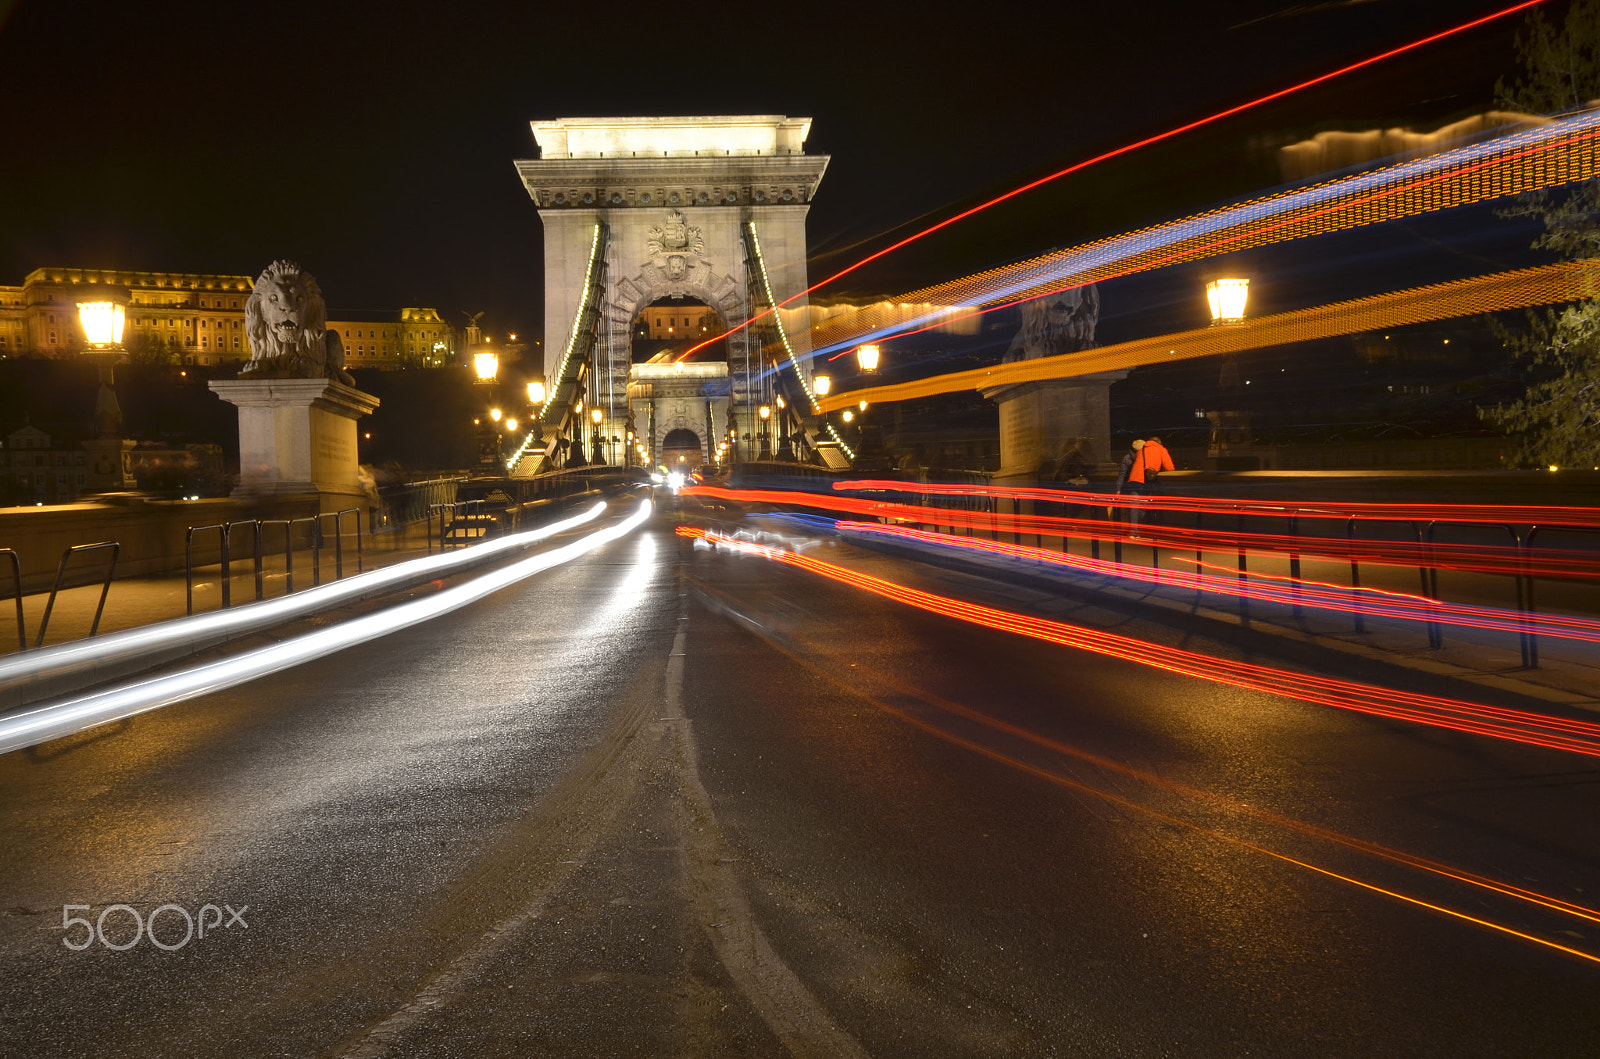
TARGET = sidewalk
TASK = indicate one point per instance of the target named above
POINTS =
(139, 601)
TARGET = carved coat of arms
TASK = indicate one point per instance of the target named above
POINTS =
(675, 246)
(675, 236)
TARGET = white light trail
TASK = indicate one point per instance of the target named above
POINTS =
(98, 651)
(41, 724)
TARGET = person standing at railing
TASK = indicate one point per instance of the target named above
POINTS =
(1148, 462)
(1123, 471)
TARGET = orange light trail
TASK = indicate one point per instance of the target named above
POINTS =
(1252, 236)
(1312, 830)
(1496, 513)
(1409, 860)
(1502, 561)
(1285, 591)
(1125, 149)
(1573, 736)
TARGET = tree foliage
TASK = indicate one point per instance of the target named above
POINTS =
(1558, 417)
(152, 349)
(1560, 64)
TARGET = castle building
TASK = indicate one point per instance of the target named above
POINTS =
(677, 322)
(199, 319)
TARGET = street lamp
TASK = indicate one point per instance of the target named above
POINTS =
(102, 324)
(1227, 298)
(867, 357)
(103, 312)
(822, 384)
(765, 452)
(495, 414)
(487, 365)
(598, 416)
(536, 392)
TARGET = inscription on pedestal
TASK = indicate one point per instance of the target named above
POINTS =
(297, 435)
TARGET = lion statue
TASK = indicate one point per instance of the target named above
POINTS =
(1062, 322)
(286, 321)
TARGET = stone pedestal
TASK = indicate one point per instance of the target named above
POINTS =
(1230, 447)
(298, 436)
(110, 465)
(1042, 421)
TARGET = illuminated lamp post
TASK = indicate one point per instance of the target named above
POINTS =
(1226, 298)
(867, 357)
(785, 446)
(598, 416)
(823, 384)
(103, 312)
(765, 411)
(487, 365)
(1229, 447)
(535, 391)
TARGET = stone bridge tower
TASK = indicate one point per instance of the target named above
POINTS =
(636, 210)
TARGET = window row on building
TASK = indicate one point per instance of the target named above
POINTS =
(199, 319)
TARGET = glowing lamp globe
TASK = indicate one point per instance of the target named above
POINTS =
(1227, 298)
(867, 357)
(597, 415)
(487, 365)
(536, 393)
(766, 411)
(102, 323)
(822, 384)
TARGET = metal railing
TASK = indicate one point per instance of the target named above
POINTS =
(400, 506)
(61, 570)
(316, 541)
(488, 507)
(1099, 520)
(16, 584)
(460, 524)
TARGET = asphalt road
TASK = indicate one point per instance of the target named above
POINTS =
(667, 800)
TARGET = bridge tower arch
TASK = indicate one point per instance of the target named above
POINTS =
(639, 209)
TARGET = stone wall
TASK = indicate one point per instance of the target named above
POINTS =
(152, 533)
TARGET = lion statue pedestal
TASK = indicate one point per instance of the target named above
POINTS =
(1042, 421)
(1055, 420)
(298, 436)
(297, 405)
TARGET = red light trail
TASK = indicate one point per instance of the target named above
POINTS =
(1124, 149)
(953, 608)
(1366, 601)
(1501, 513)
(1189, 253)
(1573, 736)
(1507, 562)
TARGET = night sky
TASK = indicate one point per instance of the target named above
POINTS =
(374, 142)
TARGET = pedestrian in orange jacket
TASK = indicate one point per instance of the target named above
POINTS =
(1148, 463)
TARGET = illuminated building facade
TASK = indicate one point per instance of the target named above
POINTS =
(694, 212)
(664, 323)
(198, 319)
